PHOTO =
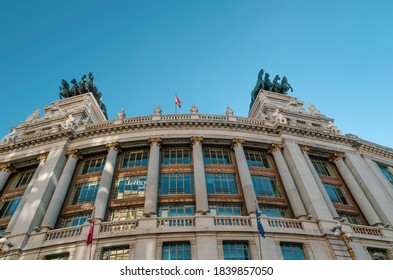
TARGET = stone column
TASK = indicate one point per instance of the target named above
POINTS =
(287, 180)
(307, 186)
(153, 175)
(106, 180)
(374, 192)
(5, 171)
(321, 187)
(59, 195)
(15, 216)
(245, 176)
(380, 176)
(34, 209)
(202, 204)
(357, 193)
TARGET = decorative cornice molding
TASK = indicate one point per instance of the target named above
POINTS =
(8, 166)
(115, 145)
(74, 153)
(336, 156)
(275, 147)
(376, 151)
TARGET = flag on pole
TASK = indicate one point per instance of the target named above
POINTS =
(177, 101)
(260, 227)
(89, 239)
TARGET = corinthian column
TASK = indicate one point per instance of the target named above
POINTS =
(6, 169)
(244, 174)
(106, 180)
(202, 205)
(58, 197)
(287, 180)
(357, 193)
(153, 173)
(321, 187)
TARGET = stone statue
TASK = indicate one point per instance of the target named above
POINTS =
(34, 116)
(83, 85)
(229, 111)
(312, 110)
(121, 114)
(75, 89)
(276, 87)
(54, 111)
(267, 83)
(64, 89)
(194, 109)
(285, 86)
(333, 128)
(278, 117)
(157, 110)
(69, 123)
(9, 137)
(259, 86)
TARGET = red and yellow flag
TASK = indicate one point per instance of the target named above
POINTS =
(177, 101)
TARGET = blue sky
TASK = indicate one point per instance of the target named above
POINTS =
(337, 55)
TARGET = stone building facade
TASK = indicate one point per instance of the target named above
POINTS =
(187, 186)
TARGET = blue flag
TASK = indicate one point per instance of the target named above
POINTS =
(260, 227)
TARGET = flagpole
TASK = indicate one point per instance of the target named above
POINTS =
(92, 221)
(259, 235)
(175, 104)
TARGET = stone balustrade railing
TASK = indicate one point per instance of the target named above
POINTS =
(232, 221)
(366, 230)
(118, 226)
(284, 223)
(63, 233)
(176, 222)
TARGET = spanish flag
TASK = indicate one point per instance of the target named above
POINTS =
(177, 101)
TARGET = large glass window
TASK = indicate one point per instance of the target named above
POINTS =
(57, 257)
(217, 156)
(225, 210)
(292, 251)
(134, 158)
(257, 159)
(274, 212)
(176, 251)
(133, 186)
(73, 221)
(218, 183)
(265, 186)
(322, 168)
(176, 155)
(385, 170)
(124, 214)
(173, 210)
(378, 254)
(336, 194)
(179, 183)
(22, 179)
(93, 164)
(116, 253)
(8, 206)
(236, 250)
(84, 193)
(352, 219)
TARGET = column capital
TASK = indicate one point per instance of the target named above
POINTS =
(74, 153)
(336, 156)
(115, 145)
(275, 147)
(154, 140)
(237, 141)
(42, 158)
(195, 139)
(304, 148)
(8, 166)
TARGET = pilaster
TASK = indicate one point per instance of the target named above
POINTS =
(153, 173)
(202, 204)
(6, 169)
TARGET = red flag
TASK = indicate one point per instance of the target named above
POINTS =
(89, 239)
(177, 101)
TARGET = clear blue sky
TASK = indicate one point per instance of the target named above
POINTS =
(337, 55)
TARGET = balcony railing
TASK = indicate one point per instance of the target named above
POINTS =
(118, 226)
(176, 222)
(63, 233)
(366, 230)
(232, 221)
(284, 223)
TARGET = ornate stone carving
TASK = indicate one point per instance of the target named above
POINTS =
(74, 153)
(194, 109)
(333, 128)
(293, 106)
(312, 110)
(237, 141)
(229, 111)
(42, 157)
(70, 123)
(115, 145)
(54, 111)
(9, 138)
(278, 117)
(195, 139)
(275, 147)
(304, 148)
(121, 114)
(155, 141)
(33, 117)
(8, 167)
(336, 156)
(157, 110)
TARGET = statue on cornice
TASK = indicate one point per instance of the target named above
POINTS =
(54, 111)
(65, 90)
(9, 137)
(229, 111)
(34, 116)
(121, 114)
(285, 86)
(259, 86)
(312, 110)
(268, 84)
(276, 87)
(69, 123)
(278, 117)
(157, 110)
(194, 109)
(333, 128)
